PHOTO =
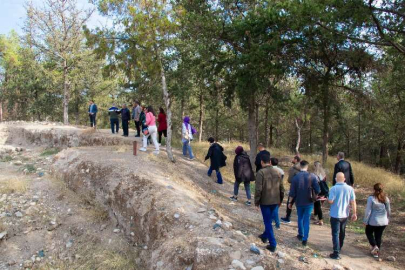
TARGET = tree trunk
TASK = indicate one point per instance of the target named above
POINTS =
(1, 111)
(65, 93)
(77, 116)
(216, 124)
(257, 121)
(182, 109)
(398, 159)
(252, 129)
(297, 146)
(266, 123)
(311, 149)
(358, 135)
(325, 124)
(166, 99)
(200, 123)
(271, 134)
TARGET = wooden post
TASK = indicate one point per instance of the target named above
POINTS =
(135, 146)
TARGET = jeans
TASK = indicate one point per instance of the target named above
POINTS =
(318, 209)
(115, 123)
(276, 218)
(152, 133)
(338, 226)
(374, 235)
(138, 128)
(304, 216)
(187, 147)
(125, 127)
(92, 120)
(219, 176)
(247, 188)
(268, 213)
(163, 132)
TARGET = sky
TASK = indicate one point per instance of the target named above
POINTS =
(12, 15)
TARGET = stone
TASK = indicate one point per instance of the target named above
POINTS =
(280, 254)
(102, 227)
(216, 226)
(213, 217)
(18, 162)
(236, 255)
(280, 261)
(238, 265)
(3, 235)
(258, 268)
(250, 262)
(219, 222)
(159, 264)
(254, 249)
(201, 210)
(176, 216)
(69, 244)
(338, 267)
(227, 224)
(11, 263)
(116, 230)
(391, 258)
(28, 264)
(303, 259)
(18, 214)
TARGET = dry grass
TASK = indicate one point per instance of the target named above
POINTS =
(122, 148)
(2, 227)
(13, 185)
(89, 131)
(97, 213)
(364, 175)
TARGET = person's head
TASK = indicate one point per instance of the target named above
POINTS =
(260, 147)
(340, 156)
(274, 161)
(340, 177)
(318, 169)
(144, 109)
(186, 120)
(239, 150)
(379, 193)
(211, 140)
(265, 159)
(124, 105)
(304, 165)
(91, 101)
(161, 110)
(296, 160)
(150, 110)
(136, 102)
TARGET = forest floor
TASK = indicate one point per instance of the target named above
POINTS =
(50, 226)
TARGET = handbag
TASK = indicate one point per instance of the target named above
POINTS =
(145, 131)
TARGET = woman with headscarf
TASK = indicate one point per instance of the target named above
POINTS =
(187, 133)
(162, 129)
(321, 177)
(243, 171)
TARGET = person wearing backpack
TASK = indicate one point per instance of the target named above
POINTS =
(242, 168)
(342, 199)
(187, 137)
(269, 194)
(376, 218)
(217, 158)
(321, 177)
(303, 191)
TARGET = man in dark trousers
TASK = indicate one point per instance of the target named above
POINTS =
(136, 112)
(217, 158)
(343, 166)
(125, 117)
(262, 151)
(92, 113)
(295, 169)
(269, 194)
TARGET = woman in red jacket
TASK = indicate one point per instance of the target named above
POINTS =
(162, 129)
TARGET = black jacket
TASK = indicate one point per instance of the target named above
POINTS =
(242, 168)
(125, 114)
(258, 159)
(216, 155)
(344, 167)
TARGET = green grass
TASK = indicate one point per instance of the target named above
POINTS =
(50, 152)
(30, 168)
(6, 158)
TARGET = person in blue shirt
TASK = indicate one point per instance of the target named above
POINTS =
(301, 193)
(92, 113)
(342, 199)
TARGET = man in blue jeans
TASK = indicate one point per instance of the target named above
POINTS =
(269, 194)
(217, 158)
(341, 197)
(300, 193)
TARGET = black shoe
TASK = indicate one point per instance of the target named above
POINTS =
(137, 136)
(264, 239)
(299, 237)
(271, 248)
(304, 243)
(334, 256)
(285, 220)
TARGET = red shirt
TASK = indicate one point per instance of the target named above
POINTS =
(162, 122)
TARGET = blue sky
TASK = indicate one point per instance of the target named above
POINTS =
(12, 15)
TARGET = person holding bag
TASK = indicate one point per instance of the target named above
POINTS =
(243, 171)
(376, 218)
(151, 130)
(187, 137)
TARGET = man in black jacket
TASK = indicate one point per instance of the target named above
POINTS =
(344, 167)
(125, 117)
(217, 157)
(262, 151)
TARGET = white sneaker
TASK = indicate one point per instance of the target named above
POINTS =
(143, 149)
(156, 152)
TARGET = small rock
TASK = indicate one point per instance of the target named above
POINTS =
(303, 259)
(216, 226)
(28, 264)
(280, 261)
(35, 198)
(41, 254)
(77, 256)
(69, 244)
(18, 162)
(213, 217)
(219, 222)
(227, 224)
(238, 265)
(11, 263)
(258, 268)
(201, 210)
(176, 216)
(391, 258)
(236, 255)
(132, 234)
(116, 230)
(337, 267)
(3, 235)
(250, 262)
(159, 264)
(18, 214)
(145, 247)
(280, 254)
(254, 249)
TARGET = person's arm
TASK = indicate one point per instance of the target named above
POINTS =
(257, 161)
(235, 168)
(354, 209)
(367, 212)
(351, 174)
(331, 197)
(388, 208)
(335, 171)
(315, 185)
(209, 154)
(292, 193)
(282, 190)
(148, 119)
(259, 188)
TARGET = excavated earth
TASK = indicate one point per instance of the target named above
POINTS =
(173, 214)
